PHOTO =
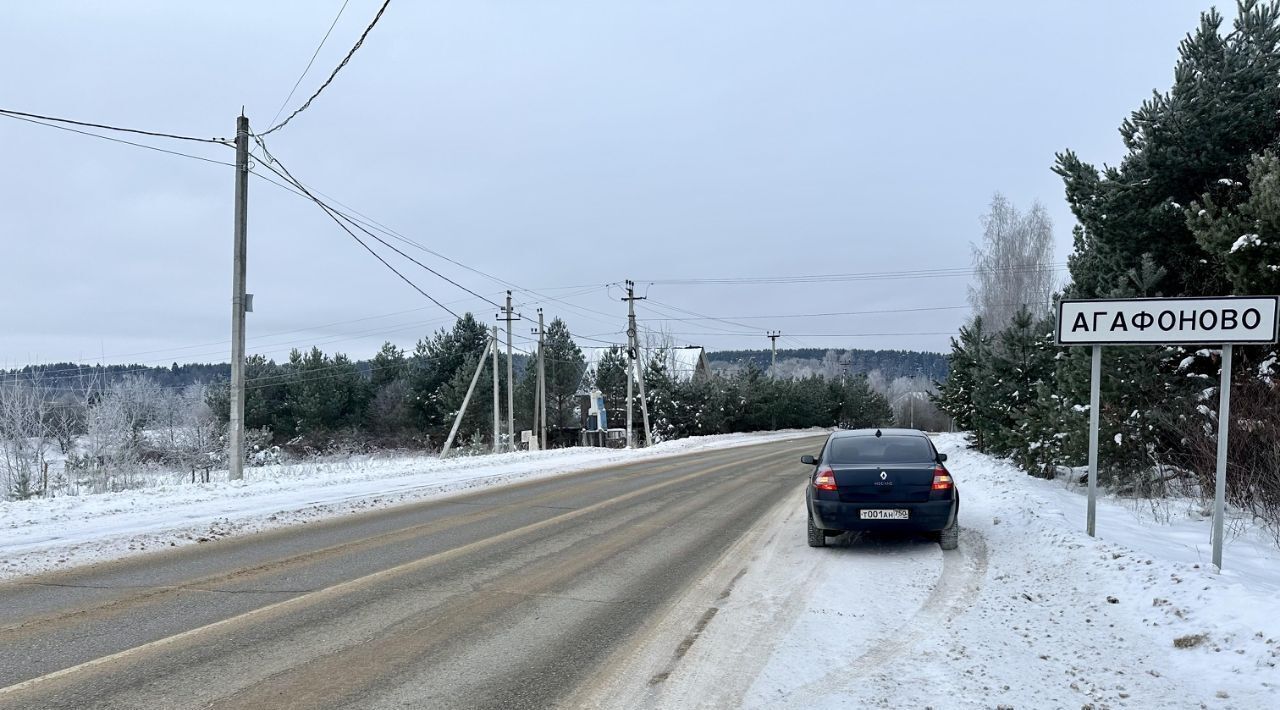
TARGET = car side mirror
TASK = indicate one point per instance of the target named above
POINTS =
(808, 460)
(942, 457)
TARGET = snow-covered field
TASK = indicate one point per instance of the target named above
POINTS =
(38, 535)
(1028, 613)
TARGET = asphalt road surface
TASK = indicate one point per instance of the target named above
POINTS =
(512, 597)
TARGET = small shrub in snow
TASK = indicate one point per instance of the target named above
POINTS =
(1190, 640)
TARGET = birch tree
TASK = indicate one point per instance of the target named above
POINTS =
(1013, 264)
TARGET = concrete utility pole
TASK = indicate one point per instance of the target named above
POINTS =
(238, 305)
(542, 385)
(508, 314)
(537, 390)
(633, 348)
(457, 421)
(773, 359)
(497, 411)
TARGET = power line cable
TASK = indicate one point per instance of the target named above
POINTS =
(825, 335)
(337, 69)
(369, 223)
(835, 313)
(862, 276)
(115, 140)
(337, 220)
(103, 126)
(315, 54)
(298, 184)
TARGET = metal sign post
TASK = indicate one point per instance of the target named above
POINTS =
(1220, 477)
(1168, 321)
(1095, 399)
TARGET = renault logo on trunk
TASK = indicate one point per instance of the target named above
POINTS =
(883, 475)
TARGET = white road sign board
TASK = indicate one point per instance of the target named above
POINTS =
(1224, 321)
(1168, 321)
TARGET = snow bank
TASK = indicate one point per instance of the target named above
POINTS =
(42, 534)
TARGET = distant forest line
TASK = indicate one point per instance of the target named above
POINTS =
(891, 364)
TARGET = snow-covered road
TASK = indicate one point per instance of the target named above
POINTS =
(1028, 613)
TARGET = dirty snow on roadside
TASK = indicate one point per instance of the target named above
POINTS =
(1028, 613)
(42, 534)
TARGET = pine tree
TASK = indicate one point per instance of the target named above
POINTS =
(563, 374)
(434, 364)
(387, 366)
(962, 394)
(1239, 224)
(610, 377)
(1202, 133)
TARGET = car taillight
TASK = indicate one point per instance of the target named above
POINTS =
(825, 480)
(941, 478)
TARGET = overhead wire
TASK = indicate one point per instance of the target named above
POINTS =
(120, 129)
(860, 276)
(367, 224)
(328, 211)
(833, 313)
(116, 140)
(315, 54)
(288, 176)
(334, 74)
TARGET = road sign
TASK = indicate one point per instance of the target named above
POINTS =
(1168, 321)
(1221, 321)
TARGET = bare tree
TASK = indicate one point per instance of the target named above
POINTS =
(1013, 265)
(24, 438)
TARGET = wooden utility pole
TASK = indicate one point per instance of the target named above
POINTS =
(238, 305)
(633, 349)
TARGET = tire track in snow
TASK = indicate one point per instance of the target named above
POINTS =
(958, 586)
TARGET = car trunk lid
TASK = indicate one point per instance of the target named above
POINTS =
(884, 483)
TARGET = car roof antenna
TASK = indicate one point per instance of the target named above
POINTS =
(877, 433)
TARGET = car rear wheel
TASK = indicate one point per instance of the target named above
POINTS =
(949, 537)
(817, 538)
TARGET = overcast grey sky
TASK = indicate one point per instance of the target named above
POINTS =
(551, 144)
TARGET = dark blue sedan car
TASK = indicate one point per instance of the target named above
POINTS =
(881, 480)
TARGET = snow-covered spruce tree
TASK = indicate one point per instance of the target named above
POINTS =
(1239, 224)
(667, 413)
(1023, 366)
(965, 393)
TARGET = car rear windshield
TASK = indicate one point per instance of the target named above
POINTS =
(879, 449)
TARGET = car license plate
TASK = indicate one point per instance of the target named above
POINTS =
(897, 514)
